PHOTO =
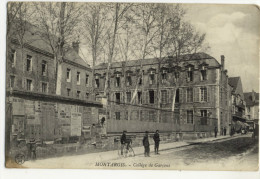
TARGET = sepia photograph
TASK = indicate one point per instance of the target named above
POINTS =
(132, 86)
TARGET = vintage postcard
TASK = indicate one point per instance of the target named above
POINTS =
(132, 86)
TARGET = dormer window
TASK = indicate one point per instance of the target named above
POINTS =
(117, 81)
(203, 73)
(96, 81)
(164, 75)
(189, 74)
(151, 78)
(128, 80)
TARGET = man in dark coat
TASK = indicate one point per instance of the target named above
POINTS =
(216, 131)
(146, 144)
(225, 131)
(156, 138)
(123, 141)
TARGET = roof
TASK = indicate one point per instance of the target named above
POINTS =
(250, 101)
(184, 58)
(33, 37)
(233, 81)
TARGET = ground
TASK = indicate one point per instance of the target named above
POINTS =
(238, 153)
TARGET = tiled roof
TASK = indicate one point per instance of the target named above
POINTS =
(233, 81)
(249, 99)
(33, 38)
(184, 58)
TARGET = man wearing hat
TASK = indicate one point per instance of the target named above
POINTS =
(146, 144)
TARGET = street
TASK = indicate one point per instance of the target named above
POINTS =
(233, 153)
(230, 154)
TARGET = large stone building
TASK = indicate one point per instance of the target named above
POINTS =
(31, 91)
(188, 96)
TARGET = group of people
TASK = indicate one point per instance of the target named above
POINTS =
(125, 142)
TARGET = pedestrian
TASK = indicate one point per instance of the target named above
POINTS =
(225, 131)
(123, 141)
(32, 149)
(146, 144)
(156, 138)
(216, 131)
(102, 121)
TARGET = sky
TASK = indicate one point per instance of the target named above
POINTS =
(232, 31)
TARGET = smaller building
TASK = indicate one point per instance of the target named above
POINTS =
(238, 103)
(252, 108)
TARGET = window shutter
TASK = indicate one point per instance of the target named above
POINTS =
(180, 95)
(168, 97)
(197, 94)
(155, 97)
(208, 93)
(194, 94)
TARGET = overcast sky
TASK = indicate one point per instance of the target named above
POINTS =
(232, 31)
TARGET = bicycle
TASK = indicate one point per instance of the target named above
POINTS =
(125, 150)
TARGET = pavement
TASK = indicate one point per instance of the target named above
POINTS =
(90, 160)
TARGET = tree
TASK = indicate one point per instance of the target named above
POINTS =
(94, 23)
(57, 24)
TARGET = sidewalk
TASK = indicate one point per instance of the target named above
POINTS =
(90, 160)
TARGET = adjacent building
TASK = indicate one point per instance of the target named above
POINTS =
(252, 108)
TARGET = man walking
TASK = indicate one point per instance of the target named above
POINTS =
(146, 144)
(156, 138)
(216, 131)
(123, 141)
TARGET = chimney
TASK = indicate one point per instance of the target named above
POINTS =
(223, 62)
(75, 46)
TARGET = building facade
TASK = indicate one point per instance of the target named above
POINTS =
(188, 96)
(238, 103)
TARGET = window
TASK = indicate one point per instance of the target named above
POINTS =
(164, 96)
(87, 76)
(176, 75)
(203, 94)
(139, 94)
(97, 82)
(117, 115)
(189, 95)
(152, 116)
(126, 115)
(140, 81)
(12, 80)
(68, 92)
(68, 75)
(128, 81)
(164, 76)
(151, 97)
(117, 97)
(151, 79)
(78, 78)
(29, 63)
(128, 97)
(203, 74)
(177, 97)
(29, 85)
(189, 75)
(44, 68)
(203, 119)
(44, 87)
(78, 94)
(190, 117)
(13, 57)
(87, 95)
(117, 81)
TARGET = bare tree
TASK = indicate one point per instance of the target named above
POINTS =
(94, 23)
(57, 26)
